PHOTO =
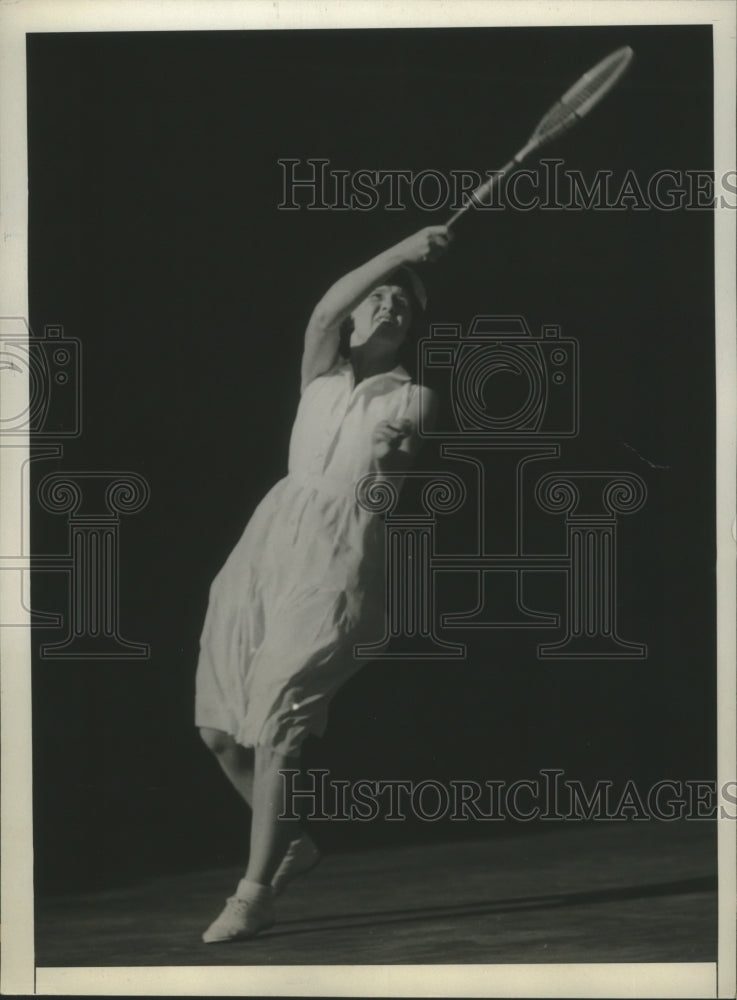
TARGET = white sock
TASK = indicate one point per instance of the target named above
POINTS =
(253, 891)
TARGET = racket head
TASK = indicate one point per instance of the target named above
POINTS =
(577, 101)
(584, 95)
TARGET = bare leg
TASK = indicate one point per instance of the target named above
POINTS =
(235, 760)
(251, 909)
(270, 836)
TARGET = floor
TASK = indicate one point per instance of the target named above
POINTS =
(600, 892)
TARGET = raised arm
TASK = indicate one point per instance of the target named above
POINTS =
(323, 330)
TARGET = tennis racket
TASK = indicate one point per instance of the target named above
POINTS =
(584, 95)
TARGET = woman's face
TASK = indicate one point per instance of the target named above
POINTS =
(382, 319)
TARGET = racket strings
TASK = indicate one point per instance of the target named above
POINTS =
(585, 89)
(582, 96)
(560, 117)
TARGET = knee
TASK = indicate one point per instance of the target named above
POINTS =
(216, 740)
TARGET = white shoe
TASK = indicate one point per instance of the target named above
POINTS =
(241, 919)
(302, 855)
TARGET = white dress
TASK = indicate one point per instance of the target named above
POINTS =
(306, 579)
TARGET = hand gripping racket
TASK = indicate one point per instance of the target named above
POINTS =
(584, 95)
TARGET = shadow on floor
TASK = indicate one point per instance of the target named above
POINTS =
(510, 905)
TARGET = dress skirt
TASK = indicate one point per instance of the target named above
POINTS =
(305, 582)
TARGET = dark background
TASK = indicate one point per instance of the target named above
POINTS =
(155, 239)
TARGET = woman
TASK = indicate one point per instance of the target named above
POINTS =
(305, 579)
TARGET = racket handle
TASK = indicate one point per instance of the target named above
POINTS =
(488, 186)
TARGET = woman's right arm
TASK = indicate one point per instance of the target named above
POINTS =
(323, 330)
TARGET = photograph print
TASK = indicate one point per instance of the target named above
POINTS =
(372, 489)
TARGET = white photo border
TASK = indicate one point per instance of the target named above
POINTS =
(19, 974)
